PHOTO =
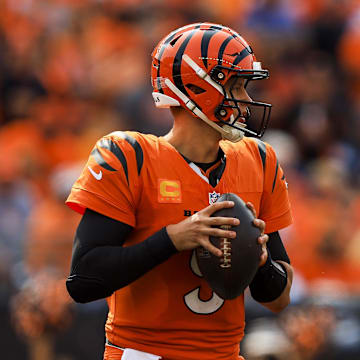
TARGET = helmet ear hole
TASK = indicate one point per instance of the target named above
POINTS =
(218, 75)
(195, 89)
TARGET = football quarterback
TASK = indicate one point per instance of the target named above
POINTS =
(149, 202)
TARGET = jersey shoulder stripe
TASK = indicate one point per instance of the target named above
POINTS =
(110, 145)
(139, 154)
(262, 151)
(275, 176)
(115, 145)
(100, 160)
(267, 153)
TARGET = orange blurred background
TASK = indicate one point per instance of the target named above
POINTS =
(74, 70)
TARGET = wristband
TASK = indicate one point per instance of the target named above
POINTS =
(269, 281)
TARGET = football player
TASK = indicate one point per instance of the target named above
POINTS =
(147, 203)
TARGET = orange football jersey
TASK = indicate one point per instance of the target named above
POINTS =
(143, 181)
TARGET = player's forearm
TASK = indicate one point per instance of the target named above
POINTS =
(271, 284)
(97, 271)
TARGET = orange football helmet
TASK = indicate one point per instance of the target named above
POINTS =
(190, 68)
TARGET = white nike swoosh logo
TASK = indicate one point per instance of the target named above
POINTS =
(97, 176)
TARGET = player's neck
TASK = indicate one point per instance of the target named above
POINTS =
(195, 140)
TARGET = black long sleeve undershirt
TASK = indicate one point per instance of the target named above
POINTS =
(100, 264)
(276, 247)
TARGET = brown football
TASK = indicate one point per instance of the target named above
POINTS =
(229, 275)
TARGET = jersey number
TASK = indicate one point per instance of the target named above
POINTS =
(192, 299)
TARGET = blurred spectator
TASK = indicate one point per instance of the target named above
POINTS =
(42, 307)
(50, 227)
(266, 340)
(309, 329)
(274, 17)
(326, 227)
(15, 206)
(39, 311)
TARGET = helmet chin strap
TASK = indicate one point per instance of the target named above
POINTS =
(232, 134)
(227, 132)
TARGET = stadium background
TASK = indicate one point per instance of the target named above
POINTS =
(73, 70)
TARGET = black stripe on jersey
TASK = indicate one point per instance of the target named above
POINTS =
(136, 146)
(112, 147)
(262, 152)
(243, 54)
(208, 34)
(223, 46)
(178, 60)
(276, 171)
(100, 160)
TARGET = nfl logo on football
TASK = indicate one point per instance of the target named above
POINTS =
(213, 197)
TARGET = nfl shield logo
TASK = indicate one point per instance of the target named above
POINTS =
(213, 197)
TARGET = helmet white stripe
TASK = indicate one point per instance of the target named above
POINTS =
(229, 133)
(202, 74)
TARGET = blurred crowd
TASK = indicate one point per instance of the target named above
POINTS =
(74, 70)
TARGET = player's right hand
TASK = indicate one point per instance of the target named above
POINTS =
(195, 230)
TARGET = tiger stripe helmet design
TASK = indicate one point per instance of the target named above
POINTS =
(190, 67)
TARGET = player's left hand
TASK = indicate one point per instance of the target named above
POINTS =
(263, 238)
